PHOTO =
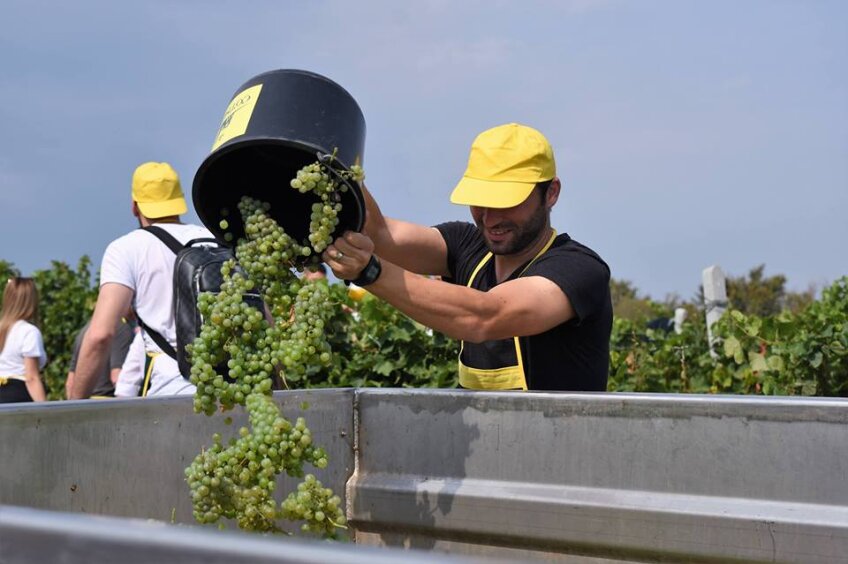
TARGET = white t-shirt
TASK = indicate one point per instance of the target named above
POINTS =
(143, 263)
(131, 376)
(22, 341)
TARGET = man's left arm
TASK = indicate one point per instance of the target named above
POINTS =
(112, 302)
(525, 306)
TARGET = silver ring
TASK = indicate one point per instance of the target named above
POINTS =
(339, 255)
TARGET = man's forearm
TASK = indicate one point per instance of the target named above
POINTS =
(69, 384)
(112, 302)
(457, 311)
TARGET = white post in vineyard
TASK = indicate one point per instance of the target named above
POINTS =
(715, 299)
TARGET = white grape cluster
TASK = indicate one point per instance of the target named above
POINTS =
(316, 505)
(240, 350)
(237, 481)
(324, 217)
(323, 220)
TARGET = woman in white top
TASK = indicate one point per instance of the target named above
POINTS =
(22, 353)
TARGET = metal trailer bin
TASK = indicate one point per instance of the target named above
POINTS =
(556, 476)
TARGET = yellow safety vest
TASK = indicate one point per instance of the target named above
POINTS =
(496, 378)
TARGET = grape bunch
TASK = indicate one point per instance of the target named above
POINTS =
(316, 505)
(237, 481)
(243, 346)
(232, 356)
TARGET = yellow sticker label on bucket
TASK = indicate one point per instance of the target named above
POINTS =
(237, 115)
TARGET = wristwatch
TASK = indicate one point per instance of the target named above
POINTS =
(370, 273)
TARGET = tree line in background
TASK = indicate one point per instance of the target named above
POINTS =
(770, 340)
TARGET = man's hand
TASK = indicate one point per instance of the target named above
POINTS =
(349, 255)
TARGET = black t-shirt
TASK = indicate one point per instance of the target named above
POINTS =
(120, 345)
(574, 355)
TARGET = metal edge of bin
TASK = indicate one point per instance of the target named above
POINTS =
(126, 457)
(445, 496)
(33, 535)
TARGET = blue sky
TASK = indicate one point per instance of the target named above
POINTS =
(686, 133)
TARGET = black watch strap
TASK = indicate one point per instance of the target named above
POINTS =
(370, 273)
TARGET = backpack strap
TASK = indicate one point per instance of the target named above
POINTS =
(161, 341)
(171, 242)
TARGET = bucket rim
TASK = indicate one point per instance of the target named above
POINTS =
(238, 143)
(353, 187)
(311, 74)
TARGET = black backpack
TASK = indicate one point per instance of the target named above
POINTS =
(197, 269)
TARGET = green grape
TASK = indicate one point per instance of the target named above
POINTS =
(238, 351)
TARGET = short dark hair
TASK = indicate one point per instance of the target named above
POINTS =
(543, 187)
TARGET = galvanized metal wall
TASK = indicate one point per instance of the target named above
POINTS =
(630, 477)
(127, 457)
(579, 477)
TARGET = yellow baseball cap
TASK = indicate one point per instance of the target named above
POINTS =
(157, 191)
(505, 163)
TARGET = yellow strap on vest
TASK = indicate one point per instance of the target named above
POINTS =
(508, 377)
(146, 384)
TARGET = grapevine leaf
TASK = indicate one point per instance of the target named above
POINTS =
(775, 363)
(768, 387)
(384, 368)
(817, 359)
(731, 346)
(758, 362)
(753, 327)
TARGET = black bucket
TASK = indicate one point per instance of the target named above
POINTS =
(275, 124)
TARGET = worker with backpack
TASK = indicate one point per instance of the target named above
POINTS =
(138, 271)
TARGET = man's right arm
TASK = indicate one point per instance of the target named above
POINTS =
(112, 302)
(413, 247)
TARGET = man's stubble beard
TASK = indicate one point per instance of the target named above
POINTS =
(523, 236)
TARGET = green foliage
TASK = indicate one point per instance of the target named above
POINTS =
(376, 345)
(803, 353)
(7, 270)
(790, 354)
(647, 360)
(66, 300)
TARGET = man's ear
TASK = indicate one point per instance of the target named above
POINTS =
(552, 195)
(135, 211)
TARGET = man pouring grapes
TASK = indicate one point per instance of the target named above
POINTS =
(530, 306)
